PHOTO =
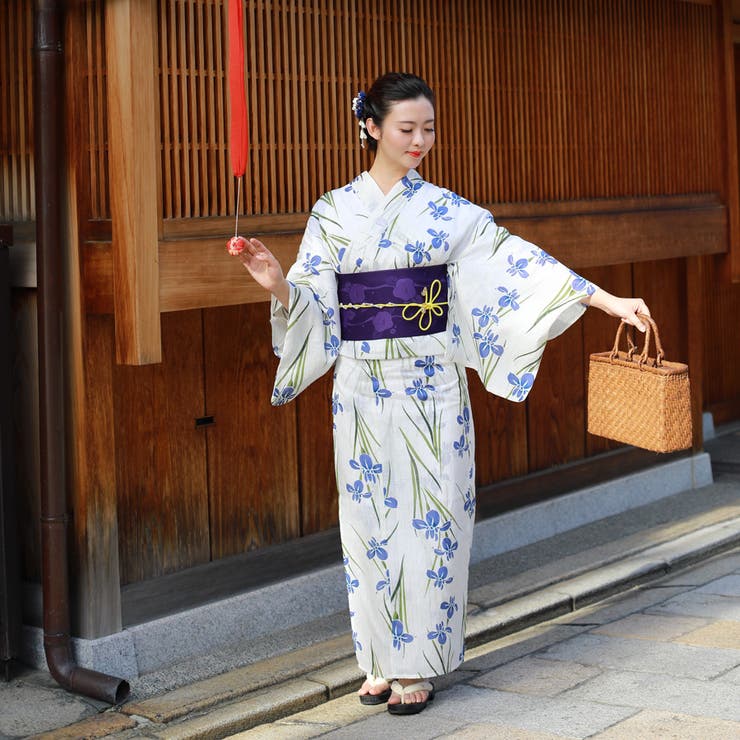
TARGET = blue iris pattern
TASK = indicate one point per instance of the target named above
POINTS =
(419, 252)
(430, 525)
(370, 470)
(400, 636)
(521, 386)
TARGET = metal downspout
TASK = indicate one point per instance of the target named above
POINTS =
(49, 113)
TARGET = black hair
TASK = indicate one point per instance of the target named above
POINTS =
(391, 88)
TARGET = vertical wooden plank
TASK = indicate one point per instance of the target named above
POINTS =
(729, 128)
(161, 455)
(25, 409)
(695, 339)
(662, 285)
(500, 435)
(90, 453)
(252, 455)
(555, 407)
(318, 485)
(134, 185)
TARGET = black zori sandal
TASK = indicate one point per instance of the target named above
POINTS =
(411, 707)
(373, 699)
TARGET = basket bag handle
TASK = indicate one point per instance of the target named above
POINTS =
(651, 329)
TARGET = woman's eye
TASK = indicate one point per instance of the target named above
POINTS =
(405, 130)
(429, 130)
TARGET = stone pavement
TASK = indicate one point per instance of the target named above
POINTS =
(660, 661)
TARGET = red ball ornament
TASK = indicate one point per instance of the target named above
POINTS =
(236, 245)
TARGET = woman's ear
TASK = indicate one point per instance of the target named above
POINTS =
(372, 129)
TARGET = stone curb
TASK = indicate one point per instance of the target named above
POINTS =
(341, 675)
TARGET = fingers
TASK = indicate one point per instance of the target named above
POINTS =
(635, 307)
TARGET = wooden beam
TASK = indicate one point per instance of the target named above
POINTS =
(198, 273)
(130, 28)
(696, 344)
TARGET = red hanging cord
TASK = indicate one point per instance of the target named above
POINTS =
(237, 94)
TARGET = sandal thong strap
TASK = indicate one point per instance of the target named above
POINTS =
(411, 688)
(375, 680)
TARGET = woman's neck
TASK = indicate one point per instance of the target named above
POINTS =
(385, 175)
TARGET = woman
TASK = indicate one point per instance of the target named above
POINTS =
(402, 284)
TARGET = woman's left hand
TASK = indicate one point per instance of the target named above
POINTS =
(623, 308)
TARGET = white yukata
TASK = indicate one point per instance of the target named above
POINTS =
(403, 430)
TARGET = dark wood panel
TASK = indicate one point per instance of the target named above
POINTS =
(721, 345)
(599, 330)
(663, 287)
(555, 406)
(92, 462)
(25, 408)
(252, 454)
(161, 456)
(500, 435)
(316, 458)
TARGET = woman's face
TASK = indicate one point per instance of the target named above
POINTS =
(407, 133)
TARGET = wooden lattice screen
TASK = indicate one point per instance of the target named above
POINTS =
(16, 121)
(538, 100)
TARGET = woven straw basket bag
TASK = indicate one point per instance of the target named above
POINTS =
(639, 400)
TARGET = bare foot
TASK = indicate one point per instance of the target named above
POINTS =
(417, 697)
(374, 687)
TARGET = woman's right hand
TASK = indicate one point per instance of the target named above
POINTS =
(262, 265)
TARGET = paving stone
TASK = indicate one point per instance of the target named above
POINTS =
(535, 676)
(424, 726)
(276, 731)
(339, 677)
(495, 731)
(651, 627)
(312, 722)
(621, 605)
(726, 586)
(698, 575)
(671, 726)
(695, 604)
(515, 646)
(517, 613)
(231, 685)
(31, 710)
(711, 699)
(263, 706)
(666, 658)
(720, 634)
(732, 676)
(595, 585)
(338, 712)
(560, 715)
(101, 725)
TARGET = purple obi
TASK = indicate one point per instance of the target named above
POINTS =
(388, 304)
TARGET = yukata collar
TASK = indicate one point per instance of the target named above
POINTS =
(370, 191)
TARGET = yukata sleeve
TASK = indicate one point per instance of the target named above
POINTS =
(508, 297)
(305, 335)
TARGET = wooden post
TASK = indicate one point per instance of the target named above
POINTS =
(133, 140)
(90, 448)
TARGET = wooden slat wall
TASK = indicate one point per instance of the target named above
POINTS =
(16, 119)
(537, 100)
